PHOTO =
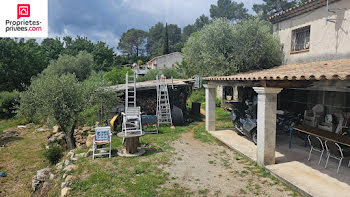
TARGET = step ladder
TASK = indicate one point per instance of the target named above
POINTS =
(163, 104)
(130, 91)
(131, 125)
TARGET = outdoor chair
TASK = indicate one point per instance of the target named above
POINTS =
(313, 117)
(102, 137)
(316, 145)
(132, 122)
(334, 151)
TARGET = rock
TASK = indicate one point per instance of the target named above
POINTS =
(21, 127)
(52, 176)
(89, 140)
(63, 185)
(56, 129)
(85, 129)
(58, 138)
(43, 174)
(70, 168)
(66, 162)
(68, 180)
(80, 155)
(40, 177)
(64, 191)
(42, 129)
(10, 131)
(30, 126)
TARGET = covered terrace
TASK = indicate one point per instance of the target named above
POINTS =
(290, 165)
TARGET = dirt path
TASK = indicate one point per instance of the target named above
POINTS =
(214, 170)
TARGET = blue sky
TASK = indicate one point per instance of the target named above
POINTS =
(106, 20)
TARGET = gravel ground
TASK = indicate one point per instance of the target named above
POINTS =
(215, 170)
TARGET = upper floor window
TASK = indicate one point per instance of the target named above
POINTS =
(301, 39)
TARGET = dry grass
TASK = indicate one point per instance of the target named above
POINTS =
(20, 159)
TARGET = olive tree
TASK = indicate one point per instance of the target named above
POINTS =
(223, 48)
(59, 98)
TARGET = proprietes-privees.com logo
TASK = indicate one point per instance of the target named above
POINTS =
(24, 18)
(23, 10)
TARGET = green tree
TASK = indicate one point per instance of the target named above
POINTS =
(197, 26)
(166, 40)
(175, 43)
(151, 75)
(73, 47)
(270, 7)
(117, 75)
(228, 9)
(52, 48)
(81, 65)
(132, 42)
(8, 102)
(155, 40)
(20, 60)
(223, 48)
(60, 98)
(103, 56)
(171, 72)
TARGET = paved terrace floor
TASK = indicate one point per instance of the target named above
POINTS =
(293, 167)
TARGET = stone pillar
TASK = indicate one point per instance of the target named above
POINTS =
(235, 93)
(210, 97)
(266, 123)
(220, 93)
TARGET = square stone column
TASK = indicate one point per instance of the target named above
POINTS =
(210, 98)
(266, 123)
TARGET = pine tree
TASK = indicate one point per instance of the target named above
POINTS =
(166, 41)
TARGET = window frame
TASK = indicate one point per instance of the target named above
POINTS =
(294, 36)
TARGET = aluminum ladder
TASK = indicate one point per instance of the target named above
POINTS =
(131, 125)
(163, 104)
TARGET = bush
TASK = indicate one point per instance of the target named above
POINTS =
(151, 75)
(197, 96)
(8, 101)
(117, 75)
(54, 153)
(171, 72)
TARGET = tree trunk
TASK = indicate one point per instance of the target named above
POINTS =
(70, 140)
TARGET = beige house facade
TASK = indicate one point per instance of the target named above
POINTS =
(310, 33)
(166, 61)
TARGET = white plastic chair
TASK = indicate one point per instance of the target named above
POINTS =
(102, 137)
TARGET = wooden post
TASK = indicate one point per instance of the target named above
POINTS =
(131, 144)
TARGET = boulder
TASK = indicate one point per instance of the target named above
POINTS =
(64, 191)
(89, 140)
(42, 129)
(58, 138)
(70, 168)
(40, 177)
(56, 129)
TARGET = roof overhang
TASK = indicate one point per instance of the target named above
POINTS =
(335, 73)
(298, 10)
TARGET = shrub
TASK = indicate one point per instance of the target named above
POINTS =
(171, 72)
(117, 75)
(197, 96)
(151, 75)
(8, 101)
(54, 153)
